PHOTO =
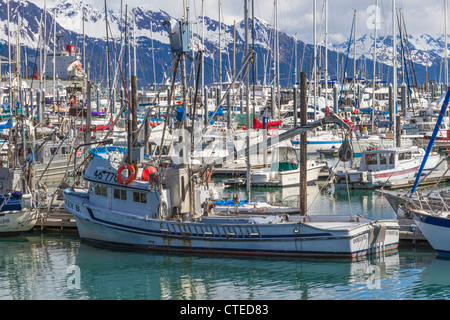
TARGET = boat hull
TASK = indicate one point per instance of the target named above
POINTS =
(436, 230)
(239, 234)
(14, 222)
(284, 178)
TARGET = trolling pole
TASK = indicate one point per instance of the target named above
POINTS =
(433, 138)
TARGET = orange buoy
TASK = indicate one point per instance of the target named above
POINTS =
(131, 170)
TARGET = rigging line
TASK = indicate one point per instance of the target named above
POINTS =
(120, 69)
(346, 61)
(404, 60)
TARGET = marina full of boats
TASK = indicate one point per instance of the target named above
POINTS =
(134, 168)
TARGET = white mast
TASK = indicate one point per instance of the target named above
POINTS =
(374, 66)
(445, 48)
(315, 59)
(326, 53)
(295, 60)
(354, 57)
(203, 49)
(134, 44)
(54, 54)
(394, 69)
(220, 53)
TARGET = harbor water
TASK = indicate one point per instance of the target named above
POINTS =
(37, 265)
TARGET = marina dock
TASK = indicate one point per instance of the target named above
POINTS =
(56, 221)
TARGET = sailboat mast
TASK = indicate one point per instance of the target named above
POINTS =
(108, 62)
(326, 53)
(394, 69)
(445, 47)
(247, 97)
(315, 59)
(354, 56)
(374, 66)
(220, 51)
(54, 55)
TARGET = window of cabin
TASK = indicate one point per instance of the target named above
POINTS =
(120, 194)
(383, 159)
(391, 158)
(100, 190)
(372, 159)
(140, 197)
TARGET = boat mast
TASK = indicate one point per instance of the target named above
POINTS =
(354, 58)
(108, 63)
(374, 66)
(54, 54)
(326, 53)
(220, 52)
(445, 47)
(394, 69)
(247, 97)
(315, 59)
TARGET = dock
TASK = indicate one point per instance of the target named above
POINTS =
(433, 178)
(58, 220)
(410, 234)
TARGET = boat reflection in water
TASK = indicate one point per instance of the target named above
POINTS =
(174, 276)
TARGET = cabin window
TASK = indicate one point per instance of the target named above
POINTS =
(404, 156)
(140, 197)
(391, 158)
(53, 151)
(100, 190)
(65, 150)
(383, 159)
(372, 159)
(120, 194)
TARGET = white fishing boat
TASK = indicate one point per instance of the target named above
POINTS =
(168, 211)
(380, 167)
(284, 170)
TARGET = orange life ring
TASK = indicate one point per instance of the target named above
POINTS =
(132, 173)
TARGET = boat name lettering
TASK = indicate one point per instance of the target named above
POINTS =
(392, 232)
(105, 175)
(360, 238)
(71, 205)
(5, 221)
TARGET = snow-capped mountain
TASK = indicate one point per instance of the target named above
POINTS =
(425, 50)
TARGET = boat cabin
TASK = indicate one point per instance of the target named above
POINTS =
(376, 159)
(284, 159)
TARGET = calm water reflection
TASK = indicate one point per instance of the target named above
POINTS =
(36, 267)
